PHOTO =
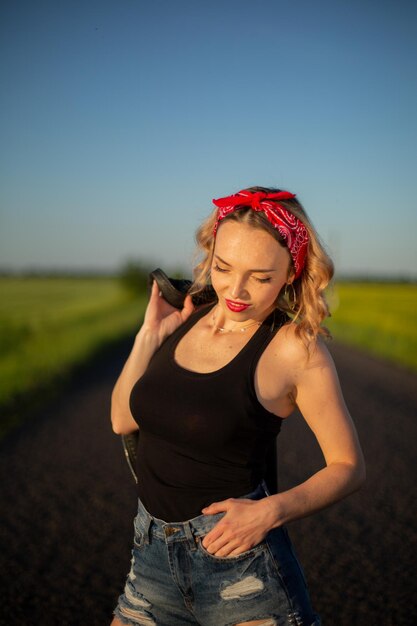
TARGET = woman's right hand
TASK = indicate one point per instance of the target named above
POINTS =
(161, 318)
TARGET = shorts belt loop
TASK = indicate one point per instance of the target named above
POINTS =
(190, 537)
(265, 488)
(146, 530)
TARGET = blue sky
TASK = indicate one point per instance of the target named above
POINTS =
(121, 120)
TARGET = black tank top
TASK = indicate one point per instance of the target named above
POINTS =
(203, 437)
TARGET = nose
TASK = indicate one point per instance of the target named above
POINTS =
(238, 288)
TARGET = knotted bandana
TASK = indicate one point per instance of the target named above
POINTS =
(291, 229)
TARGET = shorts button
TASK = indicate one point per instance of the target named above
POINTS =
(170, 530)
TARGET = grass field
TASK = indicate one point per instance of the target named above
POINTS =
(378, 317)
(50, 325)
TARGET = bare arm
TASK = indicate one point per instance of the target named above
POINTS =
(320, 400)
(321, 403)
(161, 319)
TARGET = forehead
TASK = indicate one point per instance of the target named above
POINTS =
(243, 244)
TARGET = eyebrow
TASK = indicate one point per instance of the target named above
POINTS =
(252, 270)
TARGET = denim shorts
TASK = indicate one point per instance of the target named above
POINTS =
(174, 581)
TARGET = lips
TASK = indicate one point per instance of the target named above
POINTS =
(236, 307)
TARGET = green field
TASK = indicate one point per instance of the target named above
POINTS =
(378, 317)
(50, 325)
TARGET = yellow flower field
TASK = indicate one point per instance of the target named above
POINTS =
(378, 317)
(50, 325)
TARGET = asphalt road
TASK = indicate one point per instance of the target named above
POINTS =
(67, 503)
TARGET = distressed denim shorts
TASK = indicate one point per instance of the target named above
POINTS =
(174, 581)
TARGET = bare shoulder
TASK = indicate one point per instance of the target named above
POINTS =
(309, 371)
(288, 347)
(288, 366)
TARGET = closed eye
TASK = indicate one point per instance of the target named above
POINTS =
(217, 268)
(263, 280)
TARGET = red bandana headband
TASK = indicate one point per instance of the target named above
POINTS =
(288, 225)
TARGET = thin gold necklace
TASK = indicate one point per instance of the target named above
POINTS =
(220, 329)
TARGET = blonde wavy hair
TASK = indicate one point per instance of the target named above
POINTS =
(306, 304)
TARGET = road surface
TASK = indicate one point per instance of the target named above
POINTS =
(67, 502)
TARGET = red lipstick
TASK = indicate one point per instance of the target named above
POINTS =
(236, 307)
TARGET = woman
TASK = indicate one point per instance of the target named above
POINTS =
(209, 389)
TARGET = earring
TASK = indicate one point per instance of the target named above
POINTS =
(291, 301)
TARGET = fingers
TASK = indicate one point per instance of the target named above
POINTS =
(237, 531)
(223, 547)
(212, 509)
(154, 290)
(157, 298)
(188, 307)
(218, 507)
(220, 543)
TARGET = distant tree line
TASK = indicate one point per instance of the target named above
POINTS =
(371, 278)
(134, 277)
(134, 274)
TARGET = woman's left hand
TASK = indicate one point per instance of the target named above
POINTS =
(244, 525)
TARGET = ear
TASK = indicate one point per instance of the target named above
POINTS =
(291, 272)
(290, 277)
